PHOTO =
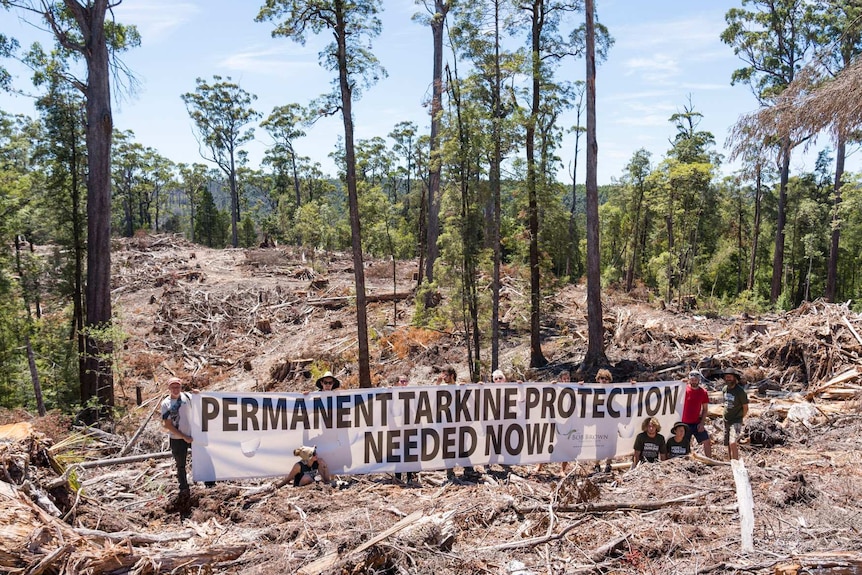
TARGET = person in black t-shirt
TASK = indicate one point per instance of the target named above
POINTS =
(650, 445)
(677, 446)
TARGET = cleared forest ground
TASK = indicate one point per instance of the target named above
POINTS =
(254, 320)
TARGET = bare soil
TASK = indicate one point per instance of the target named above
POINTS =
(273, 319)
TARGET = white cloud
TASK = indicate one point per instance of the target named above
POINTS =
(283, 60)
(157, 19)
(659, 68)
(684, 35)
(642, 120)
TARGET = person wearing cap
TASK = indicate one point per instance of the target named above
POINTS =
(176, 410)
(309, 468)
(694, 411)
(679, 443)
(735, 410)
(650, 445)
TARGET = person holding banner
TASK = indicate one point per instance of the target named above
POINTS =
(327, 382)
(694, 411)
(176, 409)
(650, 445)
(448, 376)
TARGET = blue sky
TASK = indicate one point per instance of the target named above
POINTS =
(666, 52)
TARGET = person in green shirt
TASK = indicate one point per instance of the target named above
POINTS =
(735, 410)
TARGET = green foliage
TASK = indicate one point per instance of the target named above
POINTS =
(211, 224)
(248, 233)
(430, 316)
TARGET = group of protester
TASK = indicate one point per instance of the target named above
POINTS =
(650, 445)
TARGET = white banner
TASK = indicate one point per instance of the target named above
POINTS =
(419, 428)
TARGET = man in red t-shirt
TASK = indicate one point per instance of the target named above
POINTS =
(694, 411)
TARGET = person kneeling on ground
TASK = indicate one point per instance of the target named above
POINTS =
(309, 468)
(650, 445)
(679, 443)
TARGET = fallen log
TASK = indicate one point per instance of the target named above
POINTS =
(609, 507)
(135, 538)
(63, 479)
(166, 561)
(341, 301)
(745, 501)
(123, 460)
(852, 373)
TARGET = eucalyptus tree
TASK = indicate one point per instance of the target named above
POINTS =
(404, 137)
(128, 166)
(637, 173)
(595, 327)
(437, 11)
(193, 181)
(477, 35)
(374, 162)
(160, 178)
(285, 126)
(18, 182)
(682, 195)
(574, 266)
(546, 47)
(8, 47)
(841, 29)
(462, 236)
(82, 30)
(351, 24)
(221, 112)
(773, 39)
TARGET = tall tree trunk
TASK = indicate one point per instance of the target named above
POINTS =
(234, 203)
(96, 364)
(755, 240)
(832, 269)
(295, 171)
(353, 200)
(537, 359)
(435, 164)
(740, 221)
(573, 258)
(778, 255)
(25, 283)
(494, 180)
(595, 328)
(630, 272)
(668, 219)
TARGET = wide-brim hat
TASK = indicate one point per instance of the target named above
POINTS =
(730, 371)
(319, 383)
(678, 424)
